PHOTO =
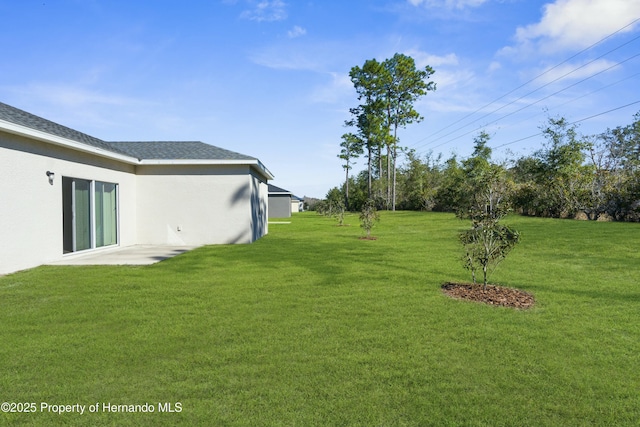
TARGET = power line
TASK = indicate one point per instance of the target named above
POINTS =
(572, 123)
(570, 101)
(539, 88)
(568, 87)
(586, 94)
(555, 93)
(528, 82)
(542, 99)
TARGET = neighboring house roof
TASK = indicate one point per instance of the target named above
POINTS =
(23, 123)
(277, 190)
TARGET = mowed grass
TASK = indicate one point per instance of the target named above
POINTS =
(311, 326)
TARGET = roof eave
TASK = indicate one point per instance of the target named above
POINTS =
(263, 169)
(253, 163)
(38, 135)
(63, 142)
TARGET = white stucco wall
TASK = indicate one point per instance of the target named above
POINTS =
(279, 205)
(31, 207)
(158, 204)
(260, 207)
(196, 204)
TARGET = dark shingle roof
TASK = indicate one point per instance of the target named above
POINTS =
(154, 150)
(273, 189)
(179, 150)
(20, 117)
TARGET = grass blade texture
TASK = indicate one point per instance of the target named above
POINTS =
(312, 326)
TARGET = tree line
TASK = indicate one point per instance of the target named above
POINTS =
(594, 176)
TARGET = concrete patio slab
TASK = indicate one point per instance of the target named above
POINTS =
(130, 255)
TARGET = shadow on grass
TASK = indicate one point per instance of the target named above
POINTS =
(266, 259)
(340, 258)
(593, 294)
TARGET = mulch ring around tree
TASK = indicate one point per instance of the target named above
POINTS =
(493, 295)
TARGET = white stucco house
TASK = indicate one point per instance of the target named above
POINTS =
(63, 193)
(279, 202)
(297, 204)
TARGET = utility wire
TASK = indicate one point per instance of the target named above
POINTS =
(540, 100)
(572, 123)
(526, 83)
(536, 90)
(565, 103)
(584, 95)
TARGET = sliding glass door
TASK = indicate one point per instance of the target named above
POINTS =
(89, 214)
(106, 214)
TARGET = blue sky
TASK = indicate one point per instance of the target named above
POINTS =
(269, 78)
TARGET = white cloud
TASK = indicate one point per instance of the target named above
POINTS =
(84, 109)
(266, 11)
(494, 66)
(423, 59)
(575, 24)
(449, 4)
(453, 80)
(575, 72)
(301, 55)
(281, 58)
(339, 88)
(448, 71)
(296, 31)
(73, 96)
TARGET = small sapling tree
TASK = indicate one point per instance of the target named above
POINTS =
(369, 216)
(338, 212)
(487, 189)
(486, 244)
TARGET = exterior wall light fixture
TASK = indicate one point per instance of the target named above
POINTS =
(51, 175)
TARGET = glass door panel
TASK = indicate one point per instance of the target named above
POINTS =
(89, 214)
(81, 214)
(106, 214)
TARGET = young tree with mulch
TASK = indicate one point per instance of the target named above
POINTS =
(487, 190)
(486, 244)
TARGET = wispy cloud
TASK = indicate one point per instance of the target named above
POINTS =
(266, 11)
(423, 59)
(72, 96)
(576, 72)
(339, 88)
(449, 4)
(494, 66)
(84, 109)
(296, 31)
(300, 54)
(574, 24)
(282, 58)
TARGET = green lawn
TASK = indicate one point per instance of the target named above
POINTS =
(311, 326)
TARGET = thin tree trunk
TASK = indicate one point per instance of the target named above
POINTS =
(346, 188)
(388, 176)
(393, 196)
(395, 157)
(380, 170)
(484, 272)
(370, 149)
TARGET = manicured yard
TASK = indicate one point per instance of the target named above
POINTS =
(311, 326)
